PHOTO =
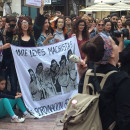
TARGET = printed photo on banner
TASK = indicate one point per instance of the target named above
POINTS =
(46, 76)
(54, 80)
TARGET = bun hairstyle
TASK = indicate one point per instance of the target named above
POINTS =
(94, 49)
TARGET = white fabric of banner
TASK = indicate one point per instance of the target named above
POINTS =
(46, 76)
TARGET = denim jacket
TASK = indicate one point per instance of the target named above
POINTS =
(43, 38)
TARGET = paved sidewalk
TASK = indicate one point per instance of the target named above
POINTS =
(51, 122)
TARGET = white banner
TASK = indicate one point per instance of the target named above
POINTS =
(37, 2)
(46, 76)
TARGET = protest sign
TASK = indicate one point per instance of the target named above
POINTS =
(46, 76)
(35, 3)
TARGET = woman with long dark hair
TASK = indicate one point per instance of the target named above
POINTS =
(80, 29)
(46, 36)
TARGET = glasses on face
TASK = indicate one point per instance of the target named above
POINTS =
(24, 23)
(100, 24)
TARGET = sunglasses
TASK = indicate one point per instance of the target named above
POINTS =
(24, 23)
(100, 24)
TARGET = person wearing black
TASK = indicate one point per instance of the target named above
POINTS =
(114, 100)
(8, 62)
(24, 37)
(125, 59)
(114, 20)
(21, 36)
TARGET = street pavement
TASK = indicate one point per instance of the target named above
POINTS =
(51, 122)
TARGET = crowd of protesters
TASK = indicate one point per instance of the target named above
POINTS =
(93, 38)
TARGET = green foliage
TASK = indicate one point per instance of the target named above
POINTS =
(15, 14)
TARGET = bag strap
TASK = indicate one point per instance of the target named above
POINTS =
(105, 78)
(86, 79)
(96, 82)
(98, 86)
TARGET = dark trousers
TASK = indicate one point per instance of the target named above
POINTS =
(11, 72)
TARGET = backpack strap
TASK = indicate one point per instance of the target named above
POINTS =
(86, 79)
(89, 73)
(97, 74)
(105, 78)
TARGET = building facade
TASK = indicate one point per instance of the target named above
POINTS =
(67, 7)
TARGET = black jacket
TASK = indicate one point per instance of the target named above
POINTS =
(114, 100)
(7, 94)
(124, 58)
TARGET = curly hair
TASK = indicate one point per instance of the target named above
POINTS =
(75, 29)
(29, 20)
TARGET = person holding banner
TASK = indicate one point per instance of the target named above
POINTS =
(8, 101)
(24, 37)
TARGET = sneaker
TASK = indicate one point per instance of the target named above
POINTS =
(29, 116)
(17, 120)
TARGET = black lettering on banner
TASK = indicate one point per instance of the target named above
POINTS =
(71, 45)
(22, 52)
(60, 48)
(66, 46)
(51, 108)
(43, 52)
(38, 52)
(37, 111)
(63, 47)
(50, 51)
(66, 102)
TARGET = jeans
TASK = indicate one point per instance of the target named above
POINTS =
(6, 106)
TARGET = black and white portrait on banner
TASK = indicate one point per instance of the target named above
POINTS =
(47, 78)
(55, 80)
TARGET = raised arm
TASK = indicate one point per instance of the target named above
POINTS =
(38, 24)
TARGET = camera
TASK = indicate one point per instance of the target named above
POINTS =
(117, 33)
(124, 31)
